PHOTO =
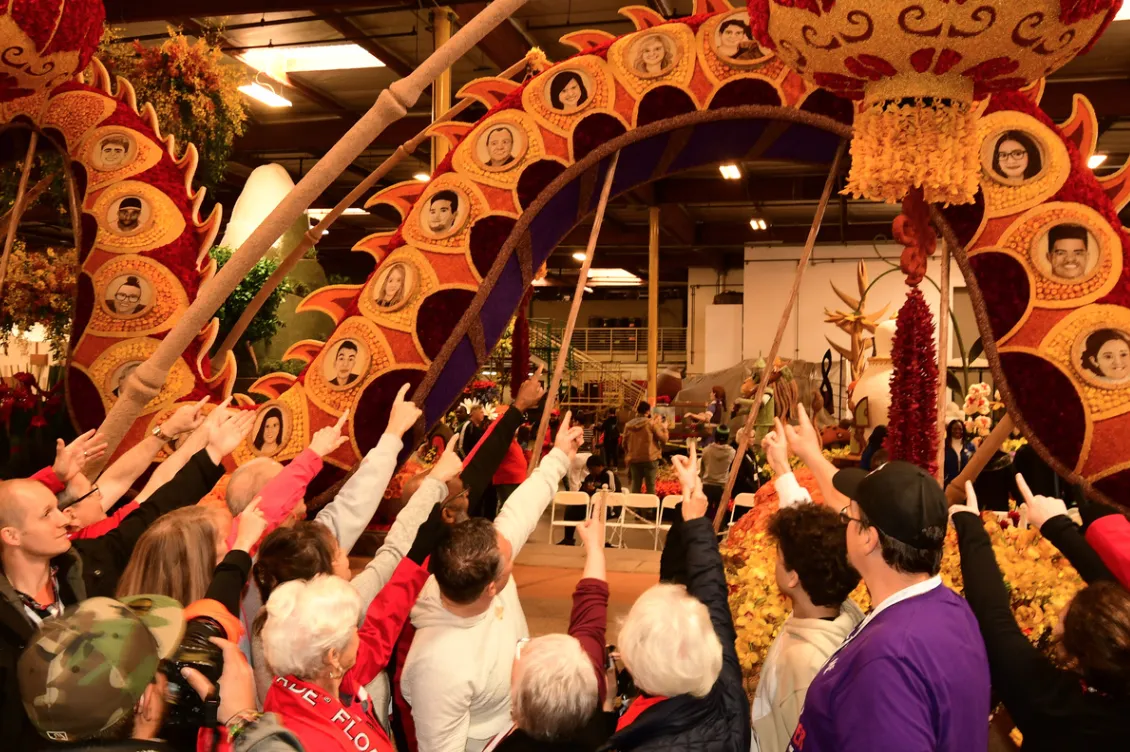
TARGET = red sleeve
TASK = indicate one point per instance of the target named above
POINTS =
(1110, 537)
(283, 492)
(383, 622)
(588, 621)
(102, 527)
(47, 477)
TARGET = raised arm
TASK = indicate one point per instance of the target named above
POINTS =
(776, 448)
(357, 501)
(805, 443)
(196, 441)
(1049, 516)
(398, 542)
(484, 459)
(588, 621)
(521, 512)
(118, 477)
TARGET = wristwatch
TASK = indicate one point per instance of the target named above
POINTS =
(165, 438)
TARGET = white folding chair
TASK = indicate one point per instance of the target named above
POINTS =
(613, 499)
(633, 501)
(744, 500)
(567, 499)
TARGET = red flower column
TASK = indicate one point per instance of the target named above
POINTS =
(912, 422)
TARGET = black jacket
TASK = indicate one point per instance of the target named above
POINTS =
(1051, 706)
(90, 568)
(720, 721)
(600, 726)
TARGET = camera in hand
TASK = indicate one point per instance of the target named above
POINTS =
(197, 651)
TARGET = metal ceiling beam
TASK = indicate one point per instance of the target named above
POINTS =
(127, 11)
(505, 45)
(347, 27)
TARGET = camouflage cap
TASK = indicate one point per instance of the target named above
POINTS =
(84, 671)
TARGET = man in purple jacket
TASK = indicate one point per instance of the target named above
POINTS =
(913, 676)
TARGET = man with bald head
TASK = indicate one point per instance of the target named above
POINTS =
(43, 571)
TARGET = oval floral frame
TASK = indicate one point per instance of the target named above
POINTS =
(459, 220)
(1038, 256)
(358, 372)
(409, 285)
(989, 149)
(148, 294)
(588, 84)
(519, 145)
(737, 62)
(633, 54)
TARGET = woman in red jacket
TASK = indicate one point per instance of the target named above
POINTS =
(322, 661)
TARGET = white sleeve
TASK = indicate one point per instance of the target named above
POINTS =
(357, 501)
(376, 574)
(790, 492)
(443, 714)
(521, 512)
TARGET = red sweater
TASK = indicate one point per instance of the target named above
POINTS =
(512, 471)
(102, 527)
(282, 493)
(1110, 537)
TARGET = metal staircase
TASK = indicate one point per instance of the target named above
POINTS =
(587, 382)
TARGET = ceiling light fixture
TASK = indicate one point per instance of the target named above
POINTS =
(578, 255)
(265, 94)
(423, 177)
(730, 171)
(757, 223)
(278, 61)
(612, 277)
(1096, 160)
(588, 289)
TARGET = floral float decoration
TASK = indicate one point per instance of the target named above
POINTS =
(919, 70)
(46, 44)
(1040, 580)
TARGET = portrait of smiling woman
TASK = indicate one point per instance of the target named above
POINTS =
(652, 55)
(1016, 157)
(395, 287)
(1106, 354)
(567, 91)
(269, 436)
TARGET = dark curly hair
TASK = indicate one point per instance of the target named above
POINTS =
(813, 542)
(1096, 632)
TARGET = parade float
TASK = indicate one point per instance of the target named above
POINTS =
(939, 101)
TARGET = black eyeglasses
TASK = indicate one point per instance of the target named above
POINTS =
(845, 517)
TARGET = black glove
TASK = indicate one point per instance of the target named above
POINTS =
(428, 536)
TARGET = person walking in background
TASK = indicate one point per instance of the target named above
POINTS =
(958, 450)
(644, 437)
(715, 467)
(610, 441)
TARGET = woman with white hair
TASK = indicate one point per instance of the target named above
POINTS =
(557, 684)
(678, 645)
(321, 661)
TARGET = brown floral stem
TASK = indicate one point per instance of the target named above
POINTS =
(17, 208)
(955, 491)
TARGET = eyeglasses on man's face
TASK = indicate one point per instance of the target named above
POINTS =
(845, 516)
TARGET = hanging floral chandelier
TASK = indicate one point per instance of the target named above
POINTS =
(918, 70)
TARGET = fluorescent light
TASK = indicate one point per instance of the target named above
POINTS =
(423, 177)
(609, 277)
(276, 62)
(1095, 160)
(265, 95)
(730, 171)
(1124, 13)
(319, 214)
(588, 289)
(758, 224)
(579, 255)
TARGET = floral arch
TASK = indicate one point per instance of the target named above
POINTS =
(668, 96)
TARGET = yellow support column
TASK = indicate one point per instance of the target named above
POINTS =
(441, 87)
(652, 303)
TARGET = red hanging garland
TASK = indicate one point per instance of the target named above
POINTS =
(520, 346)
(912, 423)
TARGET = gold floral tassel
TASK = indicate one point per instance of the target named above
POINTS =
(909, 144)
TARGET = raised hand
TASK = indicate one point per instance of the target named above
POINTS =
(71, 458)
(404, 414)
(591, 531)
(686, 468)
(186, 418)
(694, 505)
(970, 504)
(569, 437)
(802, 438)
(327, 439)
(228, 430)
(1040, 508)
(252, 524)
(448, 466)
(776, 449)
(531, 391)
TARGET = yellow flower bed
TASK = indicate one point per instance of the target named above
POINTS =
(1040, 582)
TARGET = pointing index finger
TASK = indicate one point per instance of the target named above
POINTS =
(345, 415)
(403, 393)
(1024, 490)
(970, 494)
(539, 372)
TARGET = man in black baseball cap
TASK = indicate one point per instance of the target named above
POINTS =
(914, 674)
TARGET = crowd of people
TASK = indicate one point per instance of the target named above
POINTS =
(174, 620)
